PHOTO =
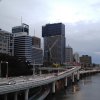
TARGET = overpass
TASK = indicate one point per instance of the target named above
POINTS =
(30, 82)
(14, 85)
(89, 71)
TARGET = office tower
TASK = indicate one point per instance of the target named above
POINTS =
(86, 60)
(37, 55)
(54, 42)
(22, 42)
(37, 52)
(36, 42)
(23, 28)
(76, 57)
(69, 55)
(6, 42)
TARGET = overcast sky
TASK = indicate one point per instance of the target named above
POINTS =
(81, 17)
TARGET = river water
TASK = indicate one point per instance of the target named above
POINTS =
(87, 88)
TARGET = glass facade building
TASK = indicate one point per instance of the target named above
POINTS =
(54, 42)
(37, 55)
(23, 47)
(53, 30)
(22, 42)
(37, 52)
(22, 28)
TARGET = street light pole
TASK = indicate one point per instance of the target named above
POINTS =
(7, 70)
(34, 68)
(0, 68)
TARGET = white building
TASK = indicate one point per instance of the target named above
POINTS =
(6, 42)
(76, 57)
(22, 42)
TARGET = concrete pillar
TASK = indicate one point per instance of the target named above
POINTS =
(53, 87)
(0, 70)
(65, 81)
(58, 70)
(5, 97)
(33, 70)
(78, 75)
(26, 94)
(73, 77)
(40, 72)
(15, 96)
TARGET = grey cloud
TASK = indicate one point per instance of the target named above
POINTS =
(32, 12)
(96, 5)
(96, 8)
(84, 37)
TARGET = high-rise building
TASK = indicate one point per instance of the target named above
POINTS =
(86, 60)
(6, 42)
(76, 57)
(22, 42)
(37, 52)
(37, 55)
(36, 42)
(23, 28)
(54, 42)
(69, 55)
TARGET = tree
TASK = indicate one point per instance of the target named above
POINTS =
(16, 66)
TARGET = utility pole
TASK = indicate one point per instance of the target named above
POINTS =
(0, 68)
(7, 70)
(34, 68)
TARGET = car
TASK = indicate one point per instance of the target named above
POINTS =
(11, 82)
(21, 76)
(30, 79)
(56, 74)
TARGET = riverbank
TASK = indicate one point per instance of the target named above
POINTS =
(88, 88)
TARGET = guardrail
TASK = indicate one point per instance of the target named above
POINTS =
(89, 71)
(35, 83)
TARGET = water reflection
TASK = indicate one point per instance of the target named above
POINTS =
(86, 81)
(75, 88)
(86, 89)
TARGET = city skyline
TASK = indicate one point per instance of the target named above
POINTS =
(80, 17)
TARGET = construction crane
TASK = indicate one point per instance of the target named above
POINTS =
(49, 51)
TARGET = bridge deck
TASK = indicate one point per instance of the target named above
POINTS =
(30, 82)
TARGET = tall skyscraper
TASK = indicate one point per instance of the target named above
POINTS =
(23, 28)
(76, 57)
(37, 52)
(6, 42)
(36, 41)
(22, 42)
(69, 55)
(37, 55)
(54, 42)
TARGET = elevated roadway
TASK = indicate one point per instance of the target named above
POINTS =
(31, 82)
